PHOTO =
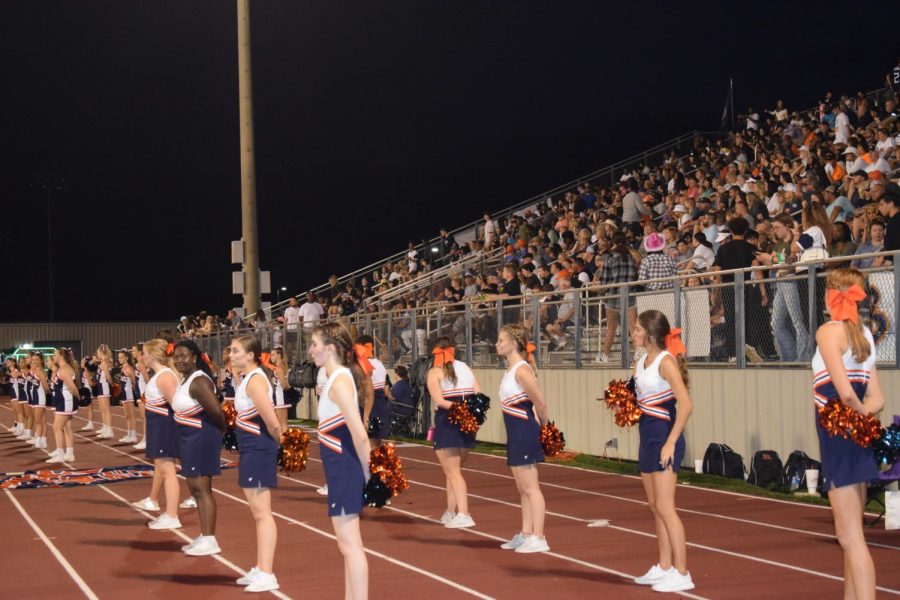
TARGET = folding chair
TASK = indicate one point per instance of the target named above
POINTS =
(877, 486)
(405, 418)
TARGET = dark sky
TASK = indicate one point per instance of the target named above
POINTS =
(375, 123)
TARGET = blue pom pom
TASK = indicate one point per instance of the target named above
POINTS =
(376, 493)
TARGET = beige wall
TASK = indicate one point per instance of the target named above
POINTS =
(748, 409)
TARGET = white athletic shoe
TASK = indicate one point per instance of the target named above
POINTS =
(21, 435)
(203, 546)
(141, 445)
(128, 439)
(653, 576)
(164, 521)
(33, 441)
(460, 521)
(251, 575)
(322, 491)
(515, 542)
(264, 582)
(147, 504)
(533, 544)
(29, 435)
(56, 456)
(17, 429)
(188, 502)
(675, 582)
(105, 434)
(88, 427)
(69, 457)
(447, 517)
(193, 543)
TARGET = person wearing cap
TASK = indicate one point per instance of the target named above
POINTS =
(657, 264)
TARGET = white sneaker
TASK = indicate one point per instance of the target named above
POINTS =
(34, 441)
(203, 546)
(41, 443)
(460, 521)
(141, 445)
(128, 439)
(447, 517)
(88, 427)
(263, 582)
(515, 542)
(188, 502)
(533, 544)
(323, 491)
(164, 521)
(193, 543)
(29, 435)
(653, 576)
(55, 457)
(601, 358)
(147, 504)
(21, 435)
(251, 575)
(105, 434)
(17, 429)
(675, 582)
(69, 457)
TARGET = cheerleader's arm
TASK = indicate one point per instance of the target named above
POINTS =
(342, 394)
(874, 401)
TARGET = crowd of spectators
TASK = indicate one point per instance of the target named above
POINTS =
(787, 186)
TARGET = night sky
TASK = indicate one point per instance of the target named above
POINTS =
(376, 123)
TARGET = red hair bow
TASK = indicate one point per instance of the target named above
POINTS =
(363, 353)
(674, 344)
(842, 305)
(443, 356)
(529, 350)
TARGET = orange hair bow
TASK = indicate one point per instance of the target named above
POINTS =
(363, 353)
(674, 344)
(443, 356)
(170, 349)
(265, 359)
(529, 350)
(842, 305)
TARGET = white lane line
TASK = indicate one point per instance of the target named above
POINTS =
(88, 592)
(400, 563)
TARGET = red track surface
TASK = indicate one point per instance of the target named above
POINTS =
(740, 546)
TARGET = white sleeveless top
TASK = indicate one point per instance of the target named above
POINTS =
(243, 402)
(156, 402)
(512, 394)
(279, 389)
(321, 378)
(330, 415)
(857, 373)
(183, 402)
(142, 385)
(465, 381)
(40, 393)
(654, 394)
(379, 374)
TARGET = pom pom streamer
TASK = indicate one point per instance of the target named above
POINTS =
(375, 424)
(887, 447)
(478, 406)
(388, 479)
(230, 414)
(294, 450)
(552, 440)
(460, 415)
(621, 399)
(229, 440)
(840, 420)
(376, 493)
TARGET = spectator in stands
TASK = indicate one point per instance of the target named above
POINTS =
(490, 232)
(873, 241)
(633, 207)
(889, 207)
(703, 256)
(619, 267)
(565, 315)
(841, 244)
(233, 322)
(656, 265)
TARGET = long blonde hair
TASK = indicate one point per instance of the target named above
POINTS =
(841, 279)
(520, 335)
(158, 349)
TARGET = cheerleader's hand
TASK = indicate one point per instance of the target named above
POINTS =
(667, 455)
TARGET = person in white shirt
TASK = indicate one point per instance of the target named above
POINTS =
(292, 314)
(311, 312)
(412, 258)
(490, 231)
(841, 126)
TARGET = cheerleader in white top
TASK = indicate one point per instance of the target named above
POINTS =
(380, 408)
(200, 424)
(103, 389)
(24, 399)
(660, 384)
(451, 381)
(844, 371)
(12, 374)
(321, 379)
(524, 413)
(141, 376)
(130, 394)
(65, 403)
(281, 385)
(345, 448)
(258, 435)
(162, 437)
(42, 396)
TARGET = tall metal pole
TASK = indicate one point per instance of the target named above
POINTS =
(248, 163)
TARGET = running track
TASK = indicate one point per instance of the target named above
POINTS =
(89, 541)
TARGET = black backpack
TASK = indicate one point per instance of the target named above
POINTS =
(797, 464)
(303, 375)
(723, 461)
(765, 469)
(418, 374)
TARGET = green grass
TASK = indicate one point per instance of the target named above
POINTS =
(625, 467)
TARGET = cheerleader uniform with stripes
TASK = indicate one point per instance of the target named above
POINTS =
(40, 395)
(14, 387)
(228, 385)
(129, 394)
(321, 379)
(657, 403)
(63, 401)
(446, 434)
(101, 388)
(258, 450)
(844, 462)
(380, 408)
(199, 438)
(142, 385)
(343, 472)
(278, 393)
(523, 430)
(162, 437)
(23, 396)
(29, 390)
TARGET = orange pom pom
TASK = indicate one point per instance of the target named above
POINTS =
(460, 415)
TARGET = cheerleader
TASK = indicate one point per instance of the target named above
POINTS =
(24, 383)
(142, 377)
(281, 385)
(12, 372)
(40, 396)
(451, 381)
(661, 382)
(226, 377)
(200, 424)
(130, 393)
(844, 370)
(321, 379)
(345, 448)
(65, 403)
(524, 413)
(381, 393)
(102, 390)
(162, 437)
(258, 434)
(88, 371)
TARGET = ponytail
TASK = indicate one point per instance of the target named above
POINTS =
(858, 342)
(445, 348)
(683, 370)
(337, 335)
